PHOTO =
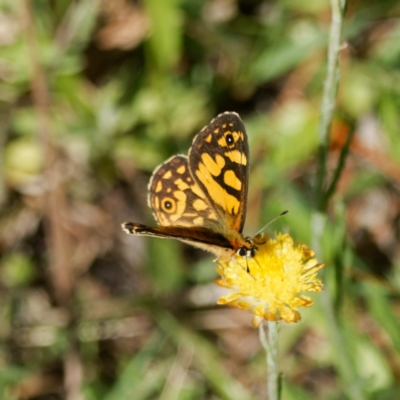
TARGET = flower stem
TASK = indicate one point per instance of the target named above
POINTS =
(269, 342)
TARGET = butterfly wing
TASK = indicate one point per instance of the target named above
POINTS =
(176, 199)
(219, 164)
(200, 237)
(201, 199)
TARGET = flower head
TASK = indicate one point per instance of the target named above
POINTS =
(269, 284)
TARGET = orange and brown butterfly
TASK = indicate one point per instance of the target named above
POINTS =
(200, 199)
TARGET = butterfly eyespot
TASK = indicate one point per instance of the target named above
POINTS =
(229, 139)
(168, 205)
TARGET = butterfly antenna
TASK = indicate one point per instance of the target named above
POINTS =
(270, 222)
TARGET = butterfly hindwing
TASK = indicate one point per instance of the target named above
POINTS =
(219, 163)
(175, 197)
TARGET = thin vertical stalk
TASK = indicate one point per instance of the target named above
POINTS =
(346, 369)
(269, 342)
(331, 85)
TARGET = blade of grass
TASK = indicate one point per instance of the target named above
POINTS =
(338, 171)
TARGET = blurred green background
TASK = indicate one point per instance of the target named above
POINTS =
(93, 95)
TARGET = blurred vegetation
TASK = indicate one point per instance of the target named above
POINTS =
(93, 95)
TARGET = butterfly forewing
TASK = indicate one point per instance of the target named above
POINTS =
(219, 163)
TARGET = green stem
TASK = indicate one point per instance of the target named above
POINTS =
(331, 85)
(344, 361)
(269, 342)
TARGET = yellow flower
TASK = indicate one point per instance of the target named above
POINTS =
(269, 284)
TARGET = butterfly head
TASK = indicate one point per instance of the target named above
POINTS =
(248, 248)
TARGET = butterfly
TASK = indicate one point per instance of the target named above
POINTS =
(201, 198)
